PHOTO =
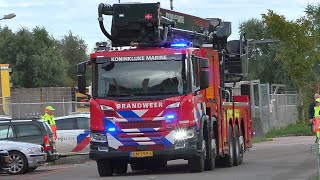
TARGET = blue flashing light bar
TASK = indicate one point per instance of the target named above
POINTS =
(180, 44)
(111, 129)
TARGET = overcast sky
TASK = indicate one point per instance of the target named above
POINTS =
(80, 16)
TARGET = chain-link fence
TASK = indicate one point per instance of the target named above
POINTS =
(273, 109)
(28, 103)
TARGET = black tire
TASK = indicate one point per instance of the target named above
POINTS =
(104, 167)
(238, 150)
(229, 159)
(18, 163)
(197, 164)
(32, 169)
(210, 161)
(137, 166)
(121, 167)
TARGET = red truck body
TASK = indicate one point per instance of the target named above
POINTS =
(150, 105)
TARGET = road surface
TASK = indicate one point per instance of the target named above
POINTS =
(281, 159)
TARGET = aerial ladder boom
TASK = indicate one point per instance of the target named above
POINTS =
(149, 25)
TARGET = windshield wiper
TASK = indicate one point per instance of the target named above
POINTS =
(156, 93)
(119, 95)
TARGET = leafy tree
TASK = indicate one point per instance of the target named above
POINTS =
(298, 51)
(74, 50)
(263, 63)
(49, 68)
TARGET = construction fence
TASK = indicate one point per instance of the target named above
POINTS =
(273, 106)
(31, 102)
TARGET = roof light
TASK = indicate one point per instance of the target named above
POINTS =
(180, 44)
(148, 16)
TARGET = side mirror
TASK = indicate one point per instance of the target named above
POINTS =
(204, 79)
(81, 70)
(82, 84)
(204, 73)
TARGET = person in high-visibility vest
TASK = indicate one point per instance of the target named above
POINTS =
(316, 121)
(317, 108)
(49, 118)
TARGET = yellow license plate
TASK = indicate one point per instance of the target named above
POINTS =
(6, 159)
(139, 154)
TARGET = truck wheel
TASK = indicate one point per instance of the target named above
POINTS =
(137, 166)
(120, 167)
(238, 150)
(210, 162)
(196, 164)
(229, 159)
(104, 167)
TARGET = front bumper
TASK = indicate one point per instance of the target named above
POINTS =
(4, 163)
(35, 160)
(176, 151)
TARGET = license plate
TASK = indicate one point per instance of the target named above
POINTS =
(139, 154)
(6, 159)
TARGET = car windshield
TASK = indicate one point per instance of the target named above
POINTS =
(144, 78)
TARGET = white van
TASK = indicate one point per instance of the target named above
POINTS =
(73, 134)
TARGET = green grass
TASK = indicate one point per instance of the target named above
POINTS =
(295, 129)
(300, 128)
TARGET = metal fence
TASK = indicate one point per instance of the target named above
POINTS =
(26, 103)
(273, 108)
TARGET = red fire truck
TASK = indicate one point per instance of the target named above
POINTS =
(159, 93)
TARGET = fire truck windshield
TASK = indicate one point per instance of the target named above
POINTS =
(141, 79)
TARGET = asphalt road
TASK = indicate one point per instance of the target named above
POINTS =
(282, 159)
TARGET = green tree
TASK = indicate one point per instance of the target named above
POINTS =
(298, 51)
(49, 68)
(263, 63)
(74, 50)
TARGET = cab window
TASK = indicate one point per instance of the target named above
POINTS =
(6, 132)
(195, 73)
(83, 122)
(66, 124)
(27, 130)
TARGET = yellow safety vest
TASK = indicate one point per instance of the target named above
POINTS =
(49, 118)
(317, 111)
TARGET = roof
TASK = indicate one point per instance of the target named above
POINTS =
(73, 115)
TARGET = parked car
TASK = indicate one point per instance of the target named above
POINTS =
(4, 117)
(30, 131)
(4, 159)
(73, 134)
(24, 157)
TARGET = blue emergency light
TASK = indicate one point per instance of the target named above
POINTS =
(170, 117)
(180, 44)
(111, 129)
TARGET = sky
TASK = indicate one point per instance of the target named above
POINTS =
(80, 16)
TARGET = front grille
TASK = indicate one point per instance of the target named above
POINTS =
(147, 148)
(142, 124)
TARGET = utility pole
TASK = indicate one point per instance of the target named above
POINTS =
(171, 4)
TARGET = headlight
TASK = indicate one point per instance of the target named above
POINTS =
(182, 134)
(34, 150)
(98, 137)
